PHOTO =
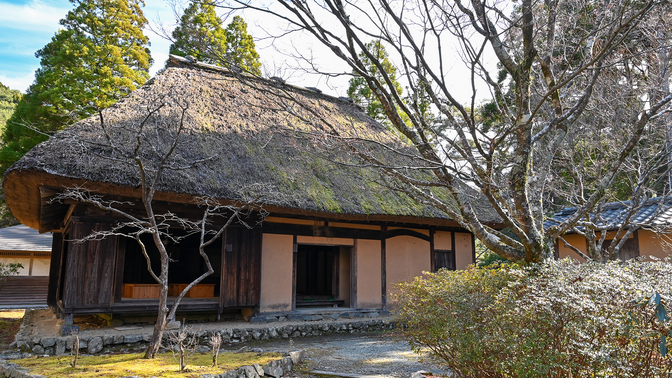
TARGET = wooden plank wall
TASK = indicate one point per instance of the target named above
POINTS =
(90, 267)
(242, 267)
(54, 269)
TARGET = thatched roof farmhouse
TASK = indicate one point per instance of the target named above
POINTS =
(337, 232)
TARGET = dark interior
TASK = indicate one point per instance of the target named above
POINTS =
(186, 265)
(316, 272)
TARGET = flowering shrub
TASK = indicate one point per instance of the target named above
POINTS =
(556, 319)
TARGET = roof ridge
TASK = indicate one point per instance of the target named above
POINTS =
(176, 61)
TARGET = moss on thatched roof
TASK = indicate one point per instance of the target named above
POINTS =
(245, 132)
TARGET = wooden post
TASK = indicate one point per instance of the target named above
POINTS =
(383, 265)
(473, 249)
(432, 254)
(222, 272)
(353, 275)
(295, 251)
(119, 269)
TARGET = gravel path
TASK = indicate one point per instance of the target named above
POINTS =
(369, 355)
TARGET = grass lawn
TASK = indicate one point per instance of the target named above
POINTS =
(120, 365)
(9, 325)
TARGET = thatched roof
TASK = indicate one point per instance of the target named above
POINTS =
(242, 132)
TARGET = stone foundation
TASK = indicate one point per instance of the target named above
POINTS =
(51, 346)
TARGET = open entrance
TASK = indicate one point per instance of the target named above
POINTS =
(185, 266)
(322, 276)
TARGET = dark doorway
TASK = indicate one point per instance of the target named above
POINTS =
(318, 274)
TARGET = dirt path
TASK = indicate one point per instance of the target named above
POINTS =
(368, 355)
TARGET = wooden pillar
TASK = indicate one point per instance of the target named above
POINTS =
(432, 255)
(383, 265)
(353, 274)
(222, 271)
(55, 266)
(295, 251)
(473, 248)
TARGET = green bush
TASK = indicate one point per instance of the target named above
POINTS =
(556, 319)
(8, 269)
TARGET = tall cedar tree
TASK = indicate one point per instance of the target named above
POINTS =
(100, 56)
(9, 98)
(200, 34)
(240, 49)
(360, 92)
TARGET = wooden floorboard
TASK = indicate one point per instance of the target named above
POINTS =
(128, 305)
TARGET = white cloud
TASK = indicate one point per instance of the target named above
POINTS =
(33, 16)
(18, 82)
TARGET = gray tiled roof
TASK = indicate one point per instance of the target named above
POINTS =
(24, 238)
(614, 213)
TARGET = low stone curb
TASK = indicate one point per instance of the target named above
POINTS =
(12, 370)
(274, 369)
(59, 346)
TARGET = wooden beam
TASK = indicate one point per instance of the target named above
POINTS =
(404, 232)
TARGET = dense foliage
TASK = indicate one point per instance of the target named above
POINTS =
(360, 92)
(200, 34)
(556, 319)
(8, 100)
(99, 56)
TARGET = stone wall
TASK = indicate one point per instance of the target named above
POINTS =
(96, 344)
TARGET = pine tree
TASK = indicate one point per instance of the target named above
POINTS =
(200, 34)
(240, 49)
(99, 56)
(360, 92)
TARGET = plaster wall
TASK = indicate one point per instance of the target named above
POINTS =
(276, 273)
(407, 257)
(443, 240)
(576, 241)
(464, 250)
(40, 266)
(652, 244)
(369, 281)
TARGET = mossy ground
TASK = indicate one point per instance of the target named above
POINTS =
(10, 320)
(121, 365)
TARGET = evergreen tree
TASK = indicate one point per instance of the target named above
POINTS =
(359, 90)
(99, 56)
(240, 49)
(200, 34)
(9, 98)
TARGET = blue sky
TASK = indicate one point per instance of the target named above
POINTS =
(27, 25)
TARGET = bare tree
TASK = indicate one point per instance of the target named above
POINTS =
(183, 344)
(574, 75)
(151, 141)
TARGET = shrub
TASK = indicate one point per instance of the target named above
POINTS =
(8, 269)
(556, 319)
